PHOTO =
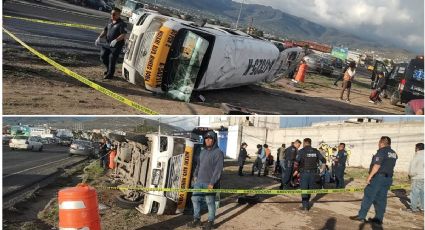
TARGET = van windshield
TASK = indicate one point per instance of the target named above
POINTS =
(133, 5)
(185, 62)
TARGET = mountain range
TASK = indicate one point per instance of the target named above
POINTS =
(120, 123)
(276, 22)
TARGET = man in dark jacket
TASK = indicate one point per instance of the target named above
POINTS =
(242, 157)
(207, 176)
(288, 163)
(340, 161)
(308, 165)
(115, 32)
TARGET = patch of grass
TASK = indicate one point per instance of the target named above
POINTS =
(130, 214)
(29, 226)
(356, 173)
(50, 214)
(92, 172)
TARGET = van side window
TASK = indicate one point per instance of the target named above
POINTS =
(163, 145)
(142, 19)
(179, 146)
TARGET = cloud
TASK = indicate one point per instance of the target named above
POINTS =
(399, 22)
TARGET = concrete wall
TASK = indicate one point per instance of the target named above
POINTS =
(362, 139)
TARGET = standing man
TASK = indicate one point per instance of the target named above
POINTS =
(378, 182)
(242, 157)
(268, 158)
(103, 152)
(115, 32)
(308, 165)
(289, 160)
(258, 164)
(416, 174)
(207, 176)
(341, 76)
(279, 159)
(340, 160)
(348, 78)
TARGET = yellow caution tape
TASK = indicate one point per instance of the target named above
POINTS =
(83, 79)
(75, 25)
(250, 191)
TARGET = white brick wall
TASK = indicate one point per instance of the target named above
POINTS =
(362, 139)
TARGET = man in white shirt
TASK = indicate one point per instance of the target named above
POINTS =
(348, 78)
(416, 174)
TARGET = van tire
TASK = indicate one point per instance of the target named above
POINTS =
(121, 202)
(40, 149)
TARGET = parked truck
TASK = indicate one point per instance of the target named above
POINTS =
(176, 57)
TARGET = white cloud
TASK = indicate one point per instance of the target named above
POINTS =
(397, 21)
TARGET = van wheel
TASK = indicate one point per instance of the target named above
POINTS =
(395, 98)
(40, 149)
(121, 202)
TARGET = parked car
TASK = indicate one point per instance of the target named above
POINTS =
(393, 79)
(312, 60)
(25, 142)
(324, 66)
(65, 141)
(97, 4)
(81, 147)
(410, 84)
(6, 139)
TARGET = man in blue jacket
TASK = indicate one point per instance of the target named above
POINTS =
(207, 176)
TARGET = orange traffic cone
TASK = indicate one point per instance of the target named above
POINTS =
(301, 73)
(78, 208)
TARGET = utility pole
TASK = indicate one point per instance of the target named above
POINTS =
(239, 15)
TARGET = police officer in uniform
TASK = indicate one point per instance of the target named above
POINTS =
(340, 160)
(288, 163)
(378, 182)
(308, 165)
(242, 157)
(115, 32)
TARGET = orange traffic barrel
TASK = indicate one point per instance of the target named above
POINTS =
(301, 73)
(112, 155)
(78, 208)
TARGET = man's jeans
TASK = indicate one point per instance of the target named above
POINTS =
(376, 193)
(339, 176)
(417, 195)
(196, 201)
(307, 182)
(109, 57)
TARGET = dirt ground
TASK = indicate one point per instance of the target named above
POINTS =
(329, 211)
(31, 86)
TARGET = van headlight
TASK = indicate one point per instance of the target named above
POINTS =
(156, 176)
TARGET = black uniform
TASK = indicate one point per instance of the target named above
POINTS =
(340, 168)
(288, 165)
(308, 160)
(241, 160)
(376, 192)
(109, 55)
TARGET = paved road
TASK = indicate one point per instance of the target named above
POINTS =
(22, 168)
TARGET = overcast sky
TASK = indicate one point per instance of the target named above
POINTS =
(395, 20)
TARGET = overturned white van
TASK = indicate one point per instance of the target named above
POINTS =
(176, 57)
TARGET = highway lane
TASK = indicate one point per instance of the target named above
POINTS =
(22, 168)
